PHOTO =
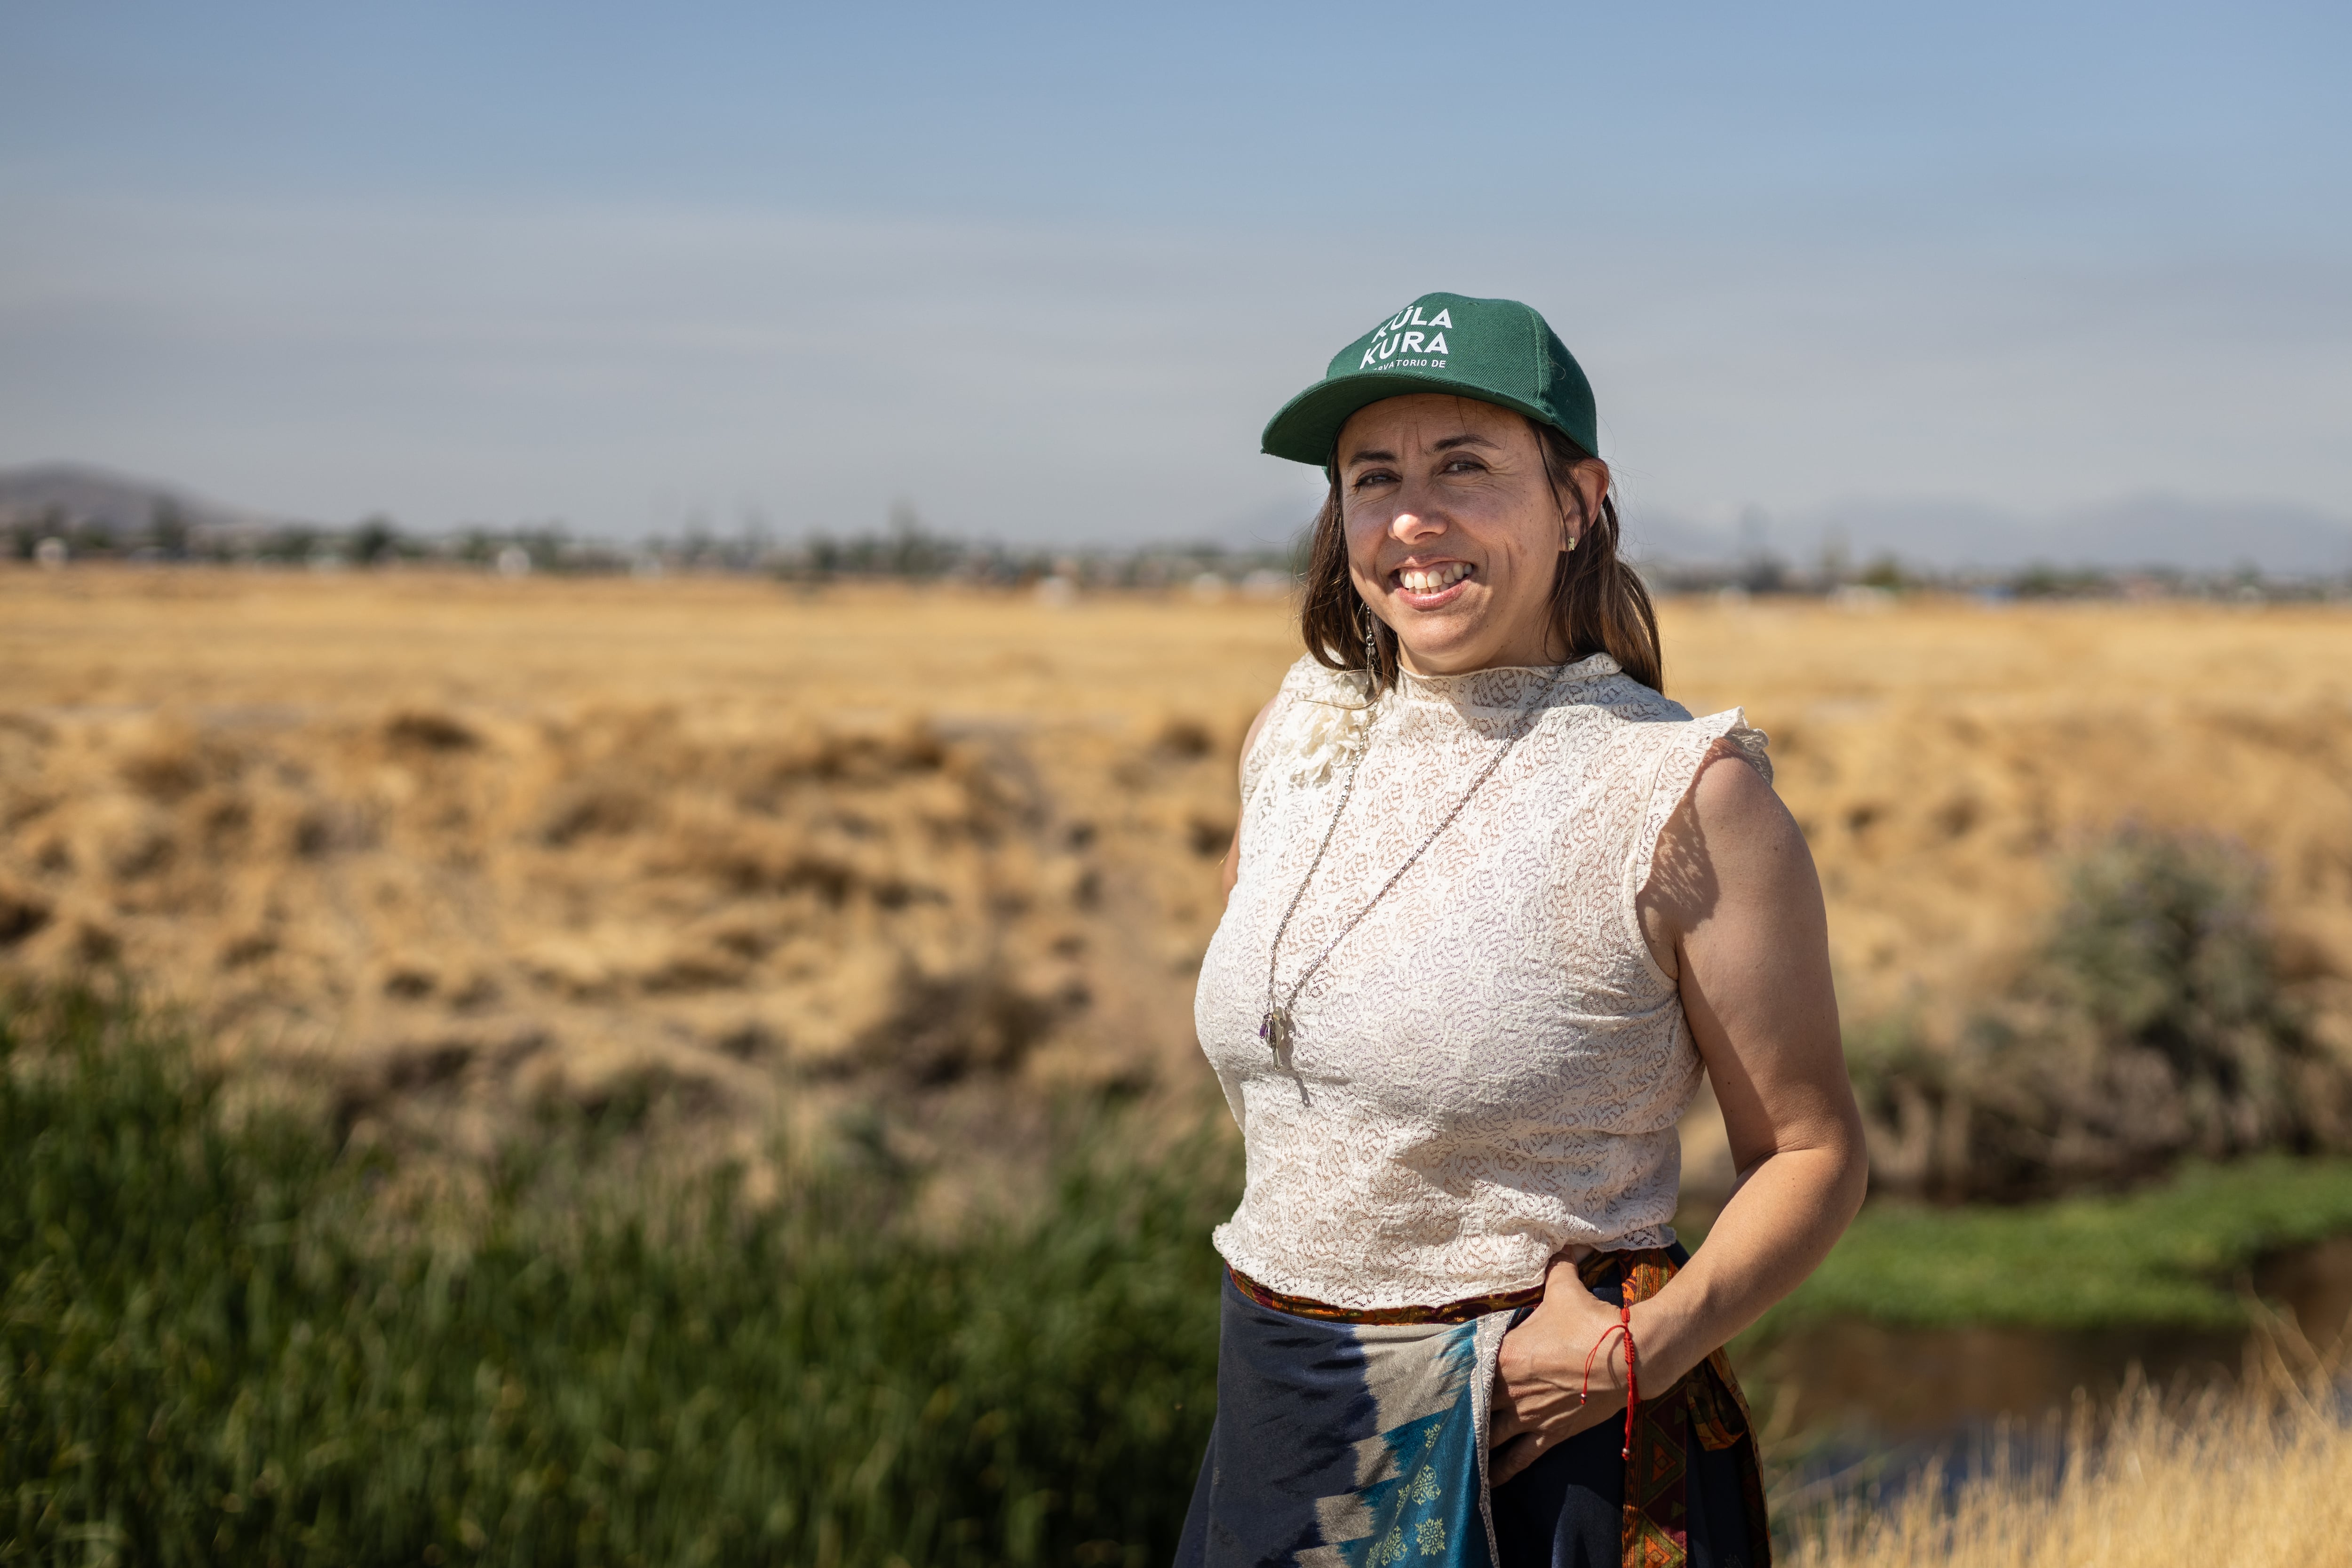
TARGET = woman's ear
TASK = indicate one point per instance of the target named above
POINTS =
(1591, 479)
(1580, 493)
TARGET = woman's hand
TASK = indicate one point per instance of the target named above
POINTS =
(1541, 1369)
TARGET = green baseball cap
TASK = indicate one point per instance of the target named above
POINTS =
(1497, 350)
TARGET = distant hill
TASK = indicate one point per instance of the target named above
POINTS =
(2146, 530)
(2133, 532)
(76, 500)
(2158, 531)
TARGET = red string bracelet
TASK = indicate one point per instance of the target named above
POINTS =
(1623, 1325)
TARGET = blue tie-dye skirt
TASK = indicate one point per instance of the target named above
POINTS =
(1363, 1445)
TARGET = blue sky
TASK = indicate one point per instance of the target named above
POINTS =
(1045, 272)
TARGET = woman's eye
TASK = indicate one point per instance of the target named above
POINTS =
(1371, 476)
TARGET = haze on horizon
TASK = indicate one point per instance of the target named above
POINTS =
(1045, 274)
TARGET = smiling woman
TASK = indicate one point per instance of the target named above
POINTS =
(1494, 908)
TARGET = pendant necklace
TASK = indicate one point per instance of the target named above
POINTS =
(1278, 1028)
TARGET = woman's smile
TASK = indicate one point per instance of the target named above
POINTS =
(1431, 585)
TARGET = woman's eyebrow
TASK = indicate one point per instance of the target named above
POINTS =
(1376, 455)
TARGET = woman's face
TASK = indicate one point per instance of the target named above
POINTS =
(1454, 532)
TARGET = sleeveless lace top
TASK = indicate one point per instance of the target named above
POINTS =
(1490, 1065)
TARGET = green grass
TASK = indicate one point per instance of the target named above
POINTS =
(205, 1356)
(2172, 1255)
(214, 1348)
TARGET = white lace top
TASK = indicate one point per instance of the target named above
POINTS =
(1490, 1065)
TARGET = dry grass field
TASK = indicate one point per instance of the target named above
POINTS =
(2263, 1476)
(454, 846)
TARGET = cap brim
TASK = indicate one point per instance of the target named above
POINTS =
(1307, 427)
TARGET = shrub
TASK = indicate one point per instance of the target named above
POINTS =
(2151, 1027)
(212, 1349)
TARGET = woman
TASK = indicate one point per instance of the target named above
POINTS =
(1493, 907)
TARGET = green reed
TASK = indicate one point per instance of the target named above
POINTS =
(216, 1345)
(208, 1352)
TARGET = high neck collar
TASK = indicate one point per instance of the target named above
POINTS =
(1509, 686)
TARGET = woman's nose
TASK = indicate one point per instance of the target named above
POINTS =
(1410, 525)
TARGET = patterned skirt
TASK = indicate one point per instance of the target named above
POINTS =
(1358, 1440)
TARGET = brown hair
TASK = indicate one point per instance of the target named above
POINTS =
(1598, 602)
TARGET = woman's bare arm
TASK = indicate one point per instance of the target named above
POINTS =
(1733, 910)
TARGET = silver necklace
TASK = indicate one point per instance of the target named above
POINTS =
(1278, 1028)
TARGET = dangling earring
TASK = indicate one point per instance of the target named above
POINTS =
(1371, 646)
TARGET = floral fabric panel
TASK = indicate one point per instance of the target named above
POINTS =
(1346, 1444)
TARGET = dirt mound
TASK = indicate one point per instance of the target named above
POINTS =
(451, 917)
(458, 848)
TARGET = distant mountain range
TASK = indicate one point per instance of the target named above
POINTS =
(71, 498)
(2152, 531)
(2137, 532)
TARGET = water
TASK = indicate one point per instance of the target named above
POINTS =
(1849, 1401)
(2316, 1283)
(1906, 1384)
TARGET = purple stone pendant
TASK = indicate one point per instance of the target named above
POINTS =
(1275, 1030)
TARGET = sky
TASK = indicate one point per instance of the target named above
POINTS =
(1044, 272)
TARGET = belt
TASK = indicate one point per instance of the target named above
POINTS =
(1460, 1311)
